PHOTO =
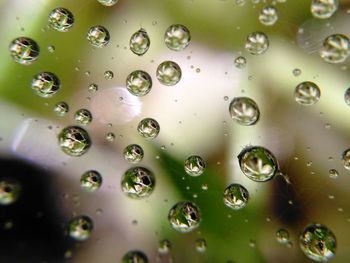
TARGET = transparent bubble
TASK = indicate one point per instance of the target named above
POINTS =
(240, 62)
(236, 196)
(10, 190)
(91, 180)
(268, 16)
(257, 43)
(139, 83)
(346, 159)
(24, 50)
(61, 19)
(148, 128)
(74, 141)
(184, 216)
(258, 163)
(194, 165)
(45, 84)
(80, 228)
(135, 256)
(98, 36)
(307, 93)
(201, 245)
(164, 246)
(169, 73)
(83, 116)
(323, 8)
(244, 111)
(282, 236)
(139, 42)
(318, 242)
(133, 153)
(93, 88)
(335, 48)
(138, 182)
(108, 74)
(177, 37)
(333, 173)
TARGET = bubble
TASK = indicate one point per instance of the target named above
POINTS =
(110, 136)
(83, 116)
(164, 246)
(194, 165)
(177, 37)
(74, 141)
(258, 163)
(24, 50)
(282, 236)
(257, 43)
(236, 196)
(201, 245)
(169, 73)
(138, 182)
(61, 19)
(148, 128)
(133, 153)
(296, 72)
(323, 8)
(318, 242)
(45, 84)
(135, 256)
(108, 74)
(240, 62)
(184, 216)
(268, 16)
(244, 111)
(91, 180)
(80, 227)
(139, 42)
(335, 48)
(10, 190)
(333, 173)
(61, 108)
(93, 88)
(307, 93)
(98, 36)
(139, 83)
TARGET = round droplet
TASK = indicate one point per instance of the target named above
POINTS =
(74, 141)
(83, 116)
(333, 173)
(139, 42)
(258, 163)
(91, 181)
(282, 236)
(257, 43)
(164, 246)
(93, 88)
(323, 8)
(201, 245)
(194, 165)
(139, 83)
(335, 48)
(184, 216)
(177, 37)
(135, 256)
(240, 62)
(244, 111)
(346, 159)
(80, 228)
(45, 84)
(110, 136)
(236, 196)
(61, 108)
(318, 242)
(61, 19)
(24, 50)
(296, 72)
(169, 73)
(133, 153)
(268, 16)
(148, 128)
(108, 74)
(307, 93)
(138, 182)
(98, 36)
(10, 190)
(347, 96)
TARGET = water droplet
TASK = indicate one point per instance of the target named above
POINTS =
(194, 165)
(244, 111)
(93, 88)
(236, 196)
(138, 182)
(91, 180)
(335, 48)
(184, 216)
(74, 141)
(148, 128)
(139, 42)
(133, 153)
(204, 187)
(268, 16)
(139, 83)
(45, 84)
(177, 37)
(169, 73)
(318, 242)
(240, 62)
(80, 228)
(258, 163)
(110, 136)
(282, 236)
(83, 116)
(296, 72)
(98, 36)
(24, 50)
(164, 246)
(61, 19)
(323, 8)
(135, 256)
(346, 159)
(333, 173)
(61, 108)
(10, 190)
(257, 43)
(108, 74)
(201, 245)
(51, 48)
(307, 93)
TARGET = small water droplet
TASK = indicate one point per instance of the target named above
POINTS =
(138, 182)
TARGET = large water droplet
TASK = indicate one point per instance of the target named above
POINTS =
(135, 256)
(139, 42)
(80, 228)
(307, 93)
(98, 36)
(184, 216)
(194, 165)
(61, 19)
(148, 128)
(83, 116)
(45, 84)
(244, 111)
(169, 73)
(133, 153)
(74, 141)
(177, 37)
(139, 83)
(335, 48)
(24, 50)
(323, 8)
(257, 43)
(91, 180)
(236, 196)
(138, 182)
(10, 190)
(268, 16)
